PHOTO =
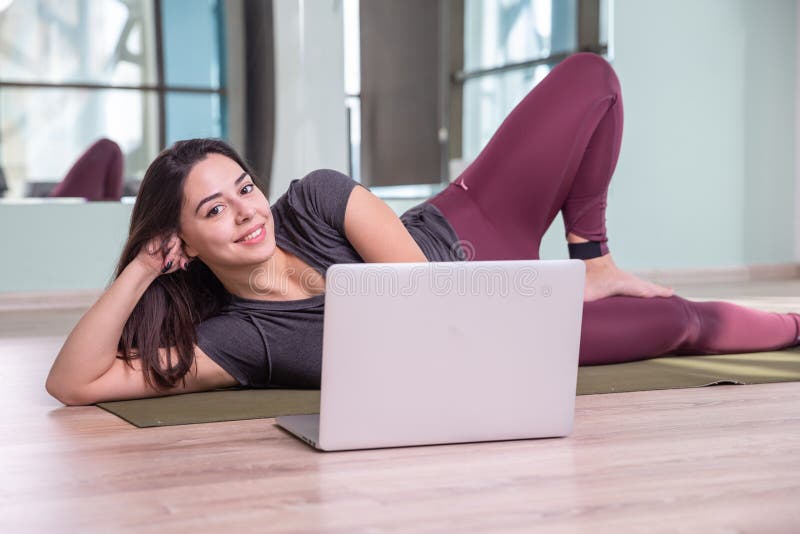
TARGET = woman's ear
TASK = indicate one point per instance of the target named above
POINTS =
(187, 248)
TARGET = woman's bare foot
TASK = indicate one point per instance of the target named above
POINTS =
(605, 279)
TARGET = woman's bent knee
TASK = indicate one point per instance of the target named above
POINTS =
(594, 69)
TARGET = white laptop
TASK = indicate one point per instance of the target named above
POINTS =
(447, 352)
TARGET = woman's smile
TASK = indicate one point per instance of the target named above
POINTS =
(255, 236)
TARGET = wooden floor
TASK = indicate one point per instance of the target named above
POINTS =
(719, 459)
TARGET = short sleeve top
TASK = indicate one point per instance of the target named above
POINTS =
(265, 343)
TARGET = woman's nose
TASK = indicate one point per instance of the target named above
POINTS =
(245, 212)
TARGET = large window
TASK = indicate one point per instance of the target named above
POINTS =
(488, 55)
(510, 45)
(143, 73)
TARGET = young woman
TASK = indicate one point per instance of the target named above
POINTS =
(217, 288)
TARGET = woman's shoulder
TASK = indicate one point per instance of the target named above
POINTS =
(321, 183)
(321, 194)
(321, 177)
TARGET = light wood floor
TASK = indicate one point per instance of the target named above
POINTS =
(720, 459)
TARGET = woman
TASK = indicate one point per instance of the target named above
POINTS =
(215, 288)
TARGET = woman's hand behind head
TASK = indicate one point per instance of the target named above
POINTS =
(163, 255)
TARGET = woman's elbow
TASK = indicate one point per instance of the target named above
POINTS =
(65, 396)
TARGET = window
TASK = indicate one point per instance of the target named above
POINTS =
(143, 73)
(488, 55)
(509, 46)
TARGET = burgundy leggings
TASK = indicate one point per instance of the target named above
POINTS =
(557, 150)
(97, 175)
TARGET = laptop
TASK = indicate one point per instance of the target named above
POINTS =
(446, 352)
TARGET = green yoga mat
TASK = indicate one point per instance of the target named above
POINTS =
(670, 372)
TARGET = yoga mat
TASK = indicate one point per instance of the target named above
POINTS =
(667, 372)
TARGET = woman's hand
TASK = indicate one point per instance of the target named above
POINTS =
(605, 279)
(163, 255)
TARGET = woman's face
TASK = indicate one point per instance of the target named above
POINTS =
(225, 219)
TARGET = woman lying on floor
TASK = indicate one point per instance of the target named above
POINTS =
(217, 288)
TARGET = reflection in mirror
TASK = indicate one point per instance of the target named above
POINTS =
(140, 73)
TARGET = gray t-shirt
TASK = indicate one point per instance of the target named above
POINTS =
(279, 343)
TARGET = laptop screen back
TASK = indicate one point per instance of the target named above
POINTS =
(420, 353)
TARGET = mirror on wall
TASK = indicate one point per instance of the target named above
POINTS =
(137, 73)
(396, 94)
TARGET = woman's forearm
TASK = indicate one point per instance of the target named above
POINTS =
(91, 347)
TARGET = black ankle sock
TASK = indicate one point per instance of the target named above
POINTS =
(584, 251)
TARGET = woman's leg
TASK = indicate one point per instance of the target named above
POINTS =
(620, 329)
(97, 175)
(556, 150)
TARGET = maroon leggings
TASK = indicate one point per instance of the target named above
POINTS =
(97, 175)
(557, 150)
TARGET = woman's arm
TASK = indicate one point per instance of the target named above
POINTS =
(87, 369)
(377, 234)
(91, 348)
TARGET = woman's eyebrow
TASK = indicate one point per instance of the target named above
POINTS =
(216, 195)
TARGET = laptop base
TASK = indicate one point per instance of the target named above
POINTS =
(305, 427)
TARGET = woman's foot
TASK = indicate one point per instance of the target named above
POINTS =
(605, 279)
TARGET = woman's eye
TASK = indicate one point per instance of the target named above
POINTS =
(246, 189)
(214, 211)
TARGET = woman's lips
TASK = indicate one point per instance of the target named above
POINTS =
(257, 239)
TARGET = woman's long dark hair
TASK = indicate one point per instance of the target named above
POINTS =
(170, 309)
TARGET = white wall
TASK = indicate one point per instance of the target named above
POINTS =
(797, 138)
(54, 246)
(706, 172)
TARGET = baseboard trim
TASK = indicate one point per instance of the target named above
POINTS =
(49, 300)
(84, 298)
(720, 275)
